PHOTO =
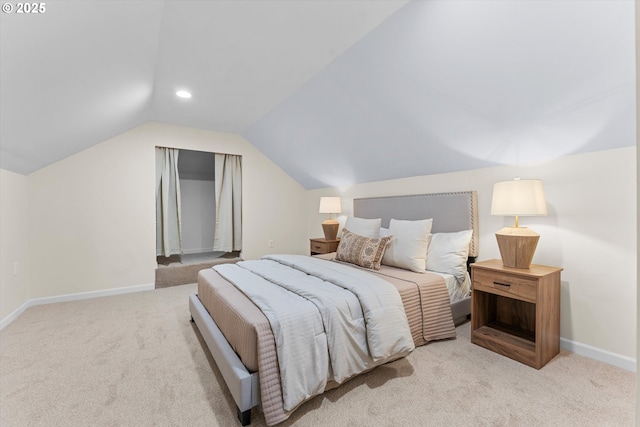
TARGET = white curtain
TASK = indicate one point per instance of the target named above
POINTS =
(168, 221)
(228, 229)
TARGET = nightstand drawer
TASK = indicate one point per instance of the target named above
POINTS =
(505, 284)
(323, 246)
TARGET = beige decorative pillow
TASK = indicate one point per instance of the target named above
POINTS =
(363, 251)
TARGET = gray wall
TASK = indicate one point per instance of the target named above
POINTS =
(197, 190)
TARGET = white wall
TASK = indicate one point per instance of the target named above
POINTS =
(92, 215)
(590, 232)
(14, 288)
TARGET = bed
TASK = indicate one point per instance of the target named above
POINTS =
(241, 340)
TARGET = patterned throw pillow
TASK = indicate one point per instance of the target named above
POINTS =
(363, 251)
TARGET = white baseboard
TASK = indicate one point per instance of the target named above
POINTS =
(598, 354)
(71, 297)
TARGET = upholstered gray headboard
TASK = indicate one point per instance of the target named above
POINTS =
(455, 211)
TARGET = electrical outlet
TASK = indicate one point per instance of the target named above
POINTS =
(270, 244)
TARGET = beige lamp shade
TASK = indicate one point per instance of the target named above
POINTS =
(520, 197)
(330, 205)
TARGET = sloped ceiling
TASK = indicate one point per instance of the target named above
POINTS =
(84, 71)
(334, 92)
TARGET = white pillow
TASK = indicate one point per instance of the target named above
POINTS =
(448, 253)
(342, 220)
(384, 232)
(364, 227)
(408, 247)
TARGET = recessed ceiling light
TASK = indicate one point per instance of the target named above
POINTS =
(183, 94)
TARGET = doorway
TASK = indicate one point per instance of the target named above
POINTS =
(196, 172)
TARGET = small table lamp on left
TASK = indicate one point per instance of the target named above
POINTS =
(330, 205)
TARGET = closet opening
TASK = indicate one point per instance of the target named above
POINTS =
(186, 216)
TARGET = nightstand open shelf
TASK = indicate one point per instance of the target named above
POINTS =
(516, 312)
(508, 335)
(527, 338)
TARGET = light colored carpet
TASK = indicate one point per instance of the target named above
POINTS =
(137, 360)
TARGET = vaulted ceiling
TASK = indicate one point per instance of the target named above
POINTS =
(334, 92)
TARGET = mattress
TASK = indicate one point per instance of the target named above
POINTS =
(457, 291)
(425, 297)
(237, 316)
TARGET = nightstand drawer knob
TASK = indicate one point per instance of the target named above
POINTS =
(506, 285)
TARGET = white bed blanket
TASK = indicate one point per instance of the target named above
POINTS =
(330, 321)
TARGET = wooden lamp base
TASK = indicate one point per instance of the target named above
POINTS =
(330, 228)
(517, 246)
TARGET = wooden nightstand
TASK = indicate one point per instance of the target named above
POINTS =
(516, 312)
(321, 245)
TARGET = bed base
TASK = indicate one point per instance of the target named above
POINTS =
(242, 384)
(461, 311)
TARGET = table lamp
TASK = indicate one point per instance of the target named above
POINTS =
(520, 197)
(330, 205)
